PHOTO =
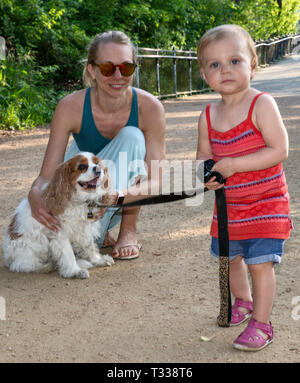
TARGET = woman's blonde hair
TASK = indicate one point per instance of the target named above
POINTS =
(116, 37)
(220, 32)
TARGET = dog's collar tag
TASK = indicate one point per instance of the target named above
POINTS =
(92, 205)
(90, 215)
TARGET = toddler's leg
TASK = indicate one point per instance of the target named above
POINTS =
(240, 288)
(239, 283)
(259, 332)
(264, 287)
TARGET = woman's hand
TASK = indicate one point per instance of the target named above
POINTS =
(110, 199)
(38, 211)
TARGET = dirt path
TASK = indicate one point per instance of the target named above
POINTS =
(156, 308)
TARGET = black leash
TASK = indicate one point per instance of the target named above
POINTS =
(225, 295)
(223, 239)
(163, 198)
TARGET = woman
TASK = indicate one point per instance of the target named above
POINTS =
(114, 121)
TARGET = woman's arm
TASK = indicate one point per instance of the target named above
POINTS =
(63, 123)
(152, 123)
(152, 187)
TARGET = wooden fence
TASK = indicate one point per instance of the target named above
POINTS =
(171, 73)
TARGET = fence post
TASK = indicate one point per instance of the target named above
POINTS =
(175, 72)
(137, 73)
(157, 74)
(190, 74)
(265, 54)
(290, 46)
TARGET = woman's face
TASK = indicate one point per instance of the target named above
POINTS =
(117, 54)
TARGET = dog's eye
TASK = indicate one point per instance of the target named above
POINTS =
(82, 167)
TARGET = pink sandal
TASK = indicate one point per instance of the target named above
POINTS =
(251, 340)
(237, 317)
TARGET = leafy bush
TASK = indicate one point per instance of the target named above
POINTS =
(44, 58)
(25, 97)
(46, 40)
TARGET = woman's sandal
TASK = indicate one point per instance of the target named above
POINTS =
(237, 316)
(133, 256)
(251, 340)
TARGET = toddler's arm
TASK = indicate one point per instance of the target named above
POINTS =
(204, 151)
(266, 117)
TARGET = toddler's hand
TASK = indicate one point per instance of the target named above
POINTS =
(212, 184)
(225, 167)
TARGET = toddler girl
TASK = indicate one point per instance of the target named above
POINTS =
(244, 133)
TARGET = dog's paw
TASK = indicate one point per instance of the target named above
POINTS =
(82, 274)
(78, 273)
(102, 260)
(96, 259)
(108, 260)
(84, 264)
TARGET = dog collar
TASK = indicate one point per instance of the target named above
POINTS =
(91, 206)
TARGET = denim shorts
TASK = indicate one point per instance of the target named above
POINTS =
(254, 251)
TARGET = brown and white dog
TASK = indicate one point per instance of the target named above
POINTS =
(73, 196)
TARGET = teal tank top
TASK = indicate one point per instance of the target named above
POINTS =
(89, 139)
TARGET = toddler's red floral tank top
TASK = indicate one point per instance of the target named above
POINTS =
(257, 201)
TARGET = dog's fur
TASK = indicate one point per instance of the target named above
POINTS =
(30, 246)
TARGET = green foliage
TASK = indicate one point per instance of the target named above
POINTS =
(47, 39)
(44, 56)
(264, 18)
(25, 98)
(205, 15)
(46, 29)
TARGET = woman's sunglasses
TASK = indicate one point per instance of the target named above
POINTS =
(108, 68)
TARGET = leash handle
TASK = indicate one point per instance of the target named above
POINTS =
(223, 238)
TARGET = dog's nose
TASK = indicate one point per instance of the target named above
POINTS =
(97, 170)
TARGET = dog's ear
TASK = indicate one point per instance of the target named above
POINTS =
(58, 191)
(107, 199)
(106, 183)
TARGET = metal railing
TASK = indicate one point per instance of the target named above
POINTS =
(171, 73)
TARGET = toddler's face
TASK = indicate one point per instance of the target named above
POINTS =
(227, 65)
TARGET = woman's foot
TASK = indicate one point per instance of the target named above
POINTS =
(109, 241)
(127, 252)
(126, 248)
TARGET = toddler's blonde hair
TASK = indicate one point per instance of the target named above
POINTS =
(222, 31)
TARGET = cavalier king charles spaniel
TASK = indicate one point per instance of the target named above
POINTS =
(73, 195)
